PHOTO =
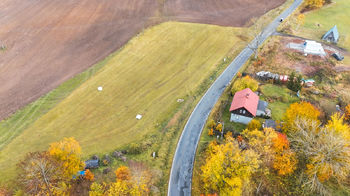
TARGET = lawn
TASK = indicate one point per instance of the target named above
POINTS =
(279, 98)
(147, 76)
(336, 13)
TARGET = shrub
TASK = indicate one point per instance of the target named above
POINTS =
(135, 148)
(254, 124)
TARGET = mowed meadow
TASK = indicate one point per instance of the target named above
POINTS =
(147, 76)
(336, 13)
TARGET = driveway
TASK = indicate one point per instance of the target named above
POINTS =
(181, 171)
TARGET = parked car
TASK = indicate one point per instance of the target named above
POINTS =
(337, 56)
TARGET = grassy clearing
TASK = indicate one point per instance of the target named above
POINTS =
(279, 98)
(336, 13)
(164, 63)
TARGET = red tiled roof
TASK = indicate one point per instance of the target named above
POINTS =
(247, 99)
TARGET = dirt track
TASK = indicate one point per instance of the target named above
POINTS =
(49, 41)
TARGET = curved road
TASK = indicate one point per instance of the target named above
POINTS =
(181, 171)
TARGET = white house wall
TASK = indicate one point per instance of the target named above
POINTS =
(240, 119)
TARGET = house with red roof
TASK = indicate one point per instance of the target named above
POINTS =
(246, 105)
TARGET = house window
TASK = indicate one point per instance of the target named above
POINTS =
(243, 111)
(240, 111)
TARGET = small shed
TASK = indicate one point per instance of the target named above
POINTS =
(92, 164)
(269, 123)
(314, 48)
(332, 35)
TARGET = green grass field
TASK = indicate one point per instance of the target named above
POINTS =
(281, 98)
(147, 76)
(336, 13)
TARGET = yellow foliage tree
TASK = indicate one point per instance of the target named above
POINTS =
(211, 124)
(219, 127)
(97, 189)
(120, 188)
(337, 124)
(228, 169)
(243, 83)
(314, 4)
(295, 111)
(301, 19)
(68, 153)
(254, 124)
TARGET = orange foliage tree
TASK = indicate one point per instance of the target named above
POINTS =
(347, 113)
(284, 158)
(89, 175)
(123, 173)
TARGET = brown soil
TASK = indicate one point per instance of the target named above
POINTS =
(49, 41)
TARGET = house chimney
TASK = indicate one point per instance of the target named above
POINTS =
(247, 95)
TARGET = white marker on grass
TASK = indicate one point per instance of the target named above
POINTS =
(99, 88)
(138, 117)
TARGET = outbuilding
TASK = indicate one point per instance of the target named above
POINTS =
(332, 35)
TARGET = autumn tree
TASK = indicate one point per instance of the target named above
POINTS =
(300, 20)
(274, 154)
(141, 179)
(227, 169)
(327, 153)
(123, 173)
(211, 124)
(254, 124)
(243, 83)
(127, 183)
(120, 187)
(284, 158)
(68, 153)
(347, 113)
(337, 124)
(89, 175)
(40, 174)
(97, 189)
(314, 4)
(299, 110)
(219, 127)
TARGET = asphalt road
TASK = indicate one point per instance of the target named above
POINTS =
(181, 171)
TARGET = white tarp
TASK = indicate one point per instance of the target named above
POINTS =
(312, 47)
